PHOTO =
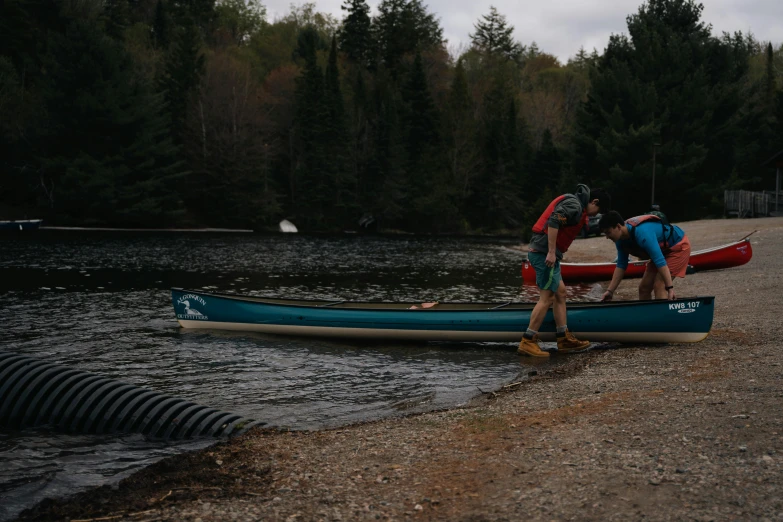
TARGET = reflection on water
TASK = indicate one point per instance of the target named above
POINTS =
(100, 302)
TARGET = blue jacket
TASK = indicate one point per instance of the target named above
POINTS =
(648, 236)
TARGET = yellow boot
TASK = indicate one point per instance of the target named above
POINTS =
(530, 347)
(569, 344)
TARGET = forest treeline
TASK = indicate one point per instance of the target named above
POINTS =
(200, 112)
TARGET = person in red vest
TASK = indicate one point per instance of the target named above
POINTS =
(553, 233)
(647, 237)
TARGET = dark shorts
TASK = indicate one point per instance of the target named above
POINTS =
(547, 278)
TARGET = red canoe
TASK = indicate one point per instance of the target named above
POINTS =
(724, 256)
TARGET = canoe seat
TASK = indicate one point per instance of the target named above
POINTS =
(424, 305)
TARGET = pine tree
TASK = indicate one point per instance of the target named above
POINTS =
(355, 36)
(402, 28)
(113, 161)
(669, 82)
(494, 36)
(770, 77)
(309, 185)
(161, 26)
(182, 75)
(460, 134)
(422, 117)
(335, 137)
(117, 18)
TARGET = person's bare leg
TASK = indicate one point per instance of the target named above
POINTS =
(646, 286)
(539, 311)
(559, 306)
(660, 287)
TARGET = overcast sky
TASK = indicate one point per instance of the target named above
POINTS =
(560, 27)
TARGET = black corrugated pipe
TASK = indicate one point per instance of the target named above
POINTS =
(37, 393)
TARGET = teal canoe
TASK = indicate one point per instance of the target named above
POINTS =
(680, 321)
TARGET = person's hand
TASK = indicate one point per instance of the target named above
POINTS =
(608, 295)
(550, 259)
(671, 295)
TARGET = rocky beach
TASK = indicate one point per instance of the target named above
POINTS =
(658, 432)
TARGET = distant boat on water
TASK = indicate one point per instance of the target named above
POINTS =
(22, 224)
(288, 227)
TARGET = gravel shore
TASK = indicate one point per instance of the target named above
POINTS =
(668, 432)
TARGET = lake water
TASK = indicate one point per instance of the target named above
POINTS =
(100, 302)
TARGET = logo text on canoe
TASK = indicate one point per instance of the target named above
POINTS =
(188, 307)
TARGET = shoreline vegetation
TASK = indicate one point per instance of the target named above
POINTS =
(660, 432)
(174, 113)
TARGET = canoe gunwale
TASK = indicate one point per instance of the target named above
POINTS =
(444, 306)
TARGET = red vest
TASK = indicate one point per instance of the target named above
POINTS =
(565, 234)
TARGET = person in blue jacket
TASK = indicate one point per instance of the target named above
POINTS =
(647, 237)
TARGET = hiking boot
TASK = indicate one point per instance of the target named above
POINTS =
(568, 343)
(530, 347)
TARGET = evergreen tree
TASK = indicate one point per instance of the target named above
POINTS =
(387, 169)
(335, 138)
(497, 199)
(117, 17)
(582, 61)
(310, 194)
(422, 117)
(198, 13)
(161, 26)
(460, 134)
(770, 77)
(355, 36)
(494, 36)
(402, 28)
(671, 83)
(546, 168)
(110, 158)
(428, 179)
(182, 75)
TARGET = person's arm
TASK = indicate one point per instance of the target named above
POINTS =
(667, 279)
(622, 257)
(649, 242)
(567, 212)
(617, 277)
(551, 254)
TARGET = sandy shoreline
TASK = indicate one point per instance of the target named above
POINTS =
(654, 432)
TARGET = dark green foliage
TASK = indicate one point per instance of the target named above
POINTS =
(183, 71)
(240, 19)
(670, 82)
(161, 26)
(335, 139)
(422, 119)
(494, 37)
(402, 28)
(460, 137)
(355, 36)
(116, 15)
(110, 156)
(321, 122)
(200, 13)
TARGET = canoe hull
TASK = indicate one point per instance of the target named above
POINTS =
(21, 225)
(725, 256)
(685, 320)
